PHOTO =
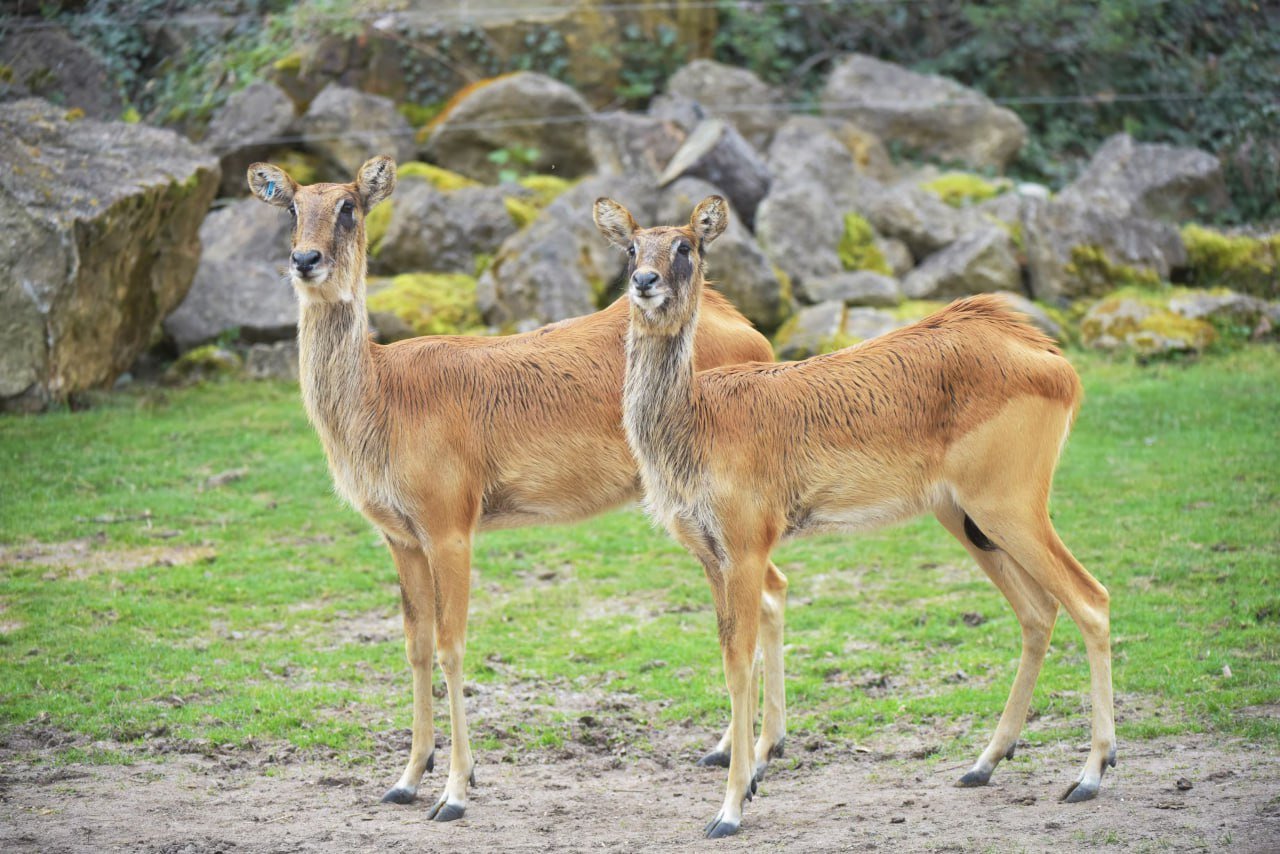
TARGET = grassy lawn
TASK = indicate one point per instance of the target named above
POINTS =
(198, 579)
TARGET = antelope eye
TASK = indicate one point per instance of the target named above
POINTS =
(683, 248)
(631, 251)
(346, 215)
(293, 211)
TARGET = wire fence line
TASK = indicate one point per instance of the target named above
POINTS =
(775, 108)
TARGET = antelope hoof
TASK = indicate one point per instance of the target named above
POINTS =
(719, 828)
(445, 811)
(1078, 792)
(973, 779)
(431, 761)
(398, 795)
(776, 751)
(716, 758)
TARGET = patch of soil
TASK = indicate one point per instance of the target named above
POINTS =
(593, 797)
(86, 557)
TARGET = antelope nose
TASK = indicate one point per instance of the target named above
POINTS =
(304, 261)
(644, 280)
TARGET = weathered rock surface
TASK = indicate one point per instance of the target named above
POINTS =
(831, 153)
(811, 330)
(49, 63)
(916, 217)
(736, 266)
(275, 361)
(733, 94)
(516, 111)
(632, 144)
(861, 287)
(861, 323)
(346, 127)
(240, 283)
(717, 153)
(435, 231)
(99, 240)
(799, 228)
(1165, 182)
(1118, 323)
(978, 262)
(560, 266)
(245, 130)
(1037, 315)
(930, 114)
(683, 112)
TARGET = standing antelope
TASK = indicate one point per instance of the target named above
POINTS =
(435, 438)
(963, 415)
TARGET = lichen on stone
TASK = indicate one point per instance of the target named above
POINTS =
(1247, 264)
(430, 303)
(960, 189)
(1098, 274)
(522, 212)
(203, 363)
(437, 176)
(545, 189)
(857, 248)
(376, 224)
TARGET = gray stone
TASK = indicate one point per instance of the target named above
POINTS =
(99, 240)
(346, 127)
(560, 266)
(717, 153)
(862, 287)
(1226, 307)
(812, 330)
(1165, 182)
(1129, 324)
(518, 111)
(1037, 315)
(930, 114)
(50, 64)
(240, 283)
(861, 324)
(979, 262)
(435, 231)
(631, 144)
(276, 361)
(736, 266)
(916, 217)
(733, 94)
(799, 228)
(809, 149)
(897, 254)
(685, 113)
(245, 130)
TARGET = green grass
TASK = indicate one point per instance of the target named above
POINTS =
(1169, 492)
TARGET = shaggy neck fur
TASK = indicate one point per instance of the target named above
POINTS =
(658, 413)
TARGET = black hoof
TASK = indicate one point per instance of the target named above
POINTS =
(445, 811)
(1008, 754)
(1077, 793)
(716, 758)
(973, 779)
(431, 761)
(471, 781)
(718, 829)
(1111, 758)
(775, 752)
(399, 796)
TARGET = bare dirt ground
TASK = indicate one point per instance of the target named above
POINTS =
(593, 795)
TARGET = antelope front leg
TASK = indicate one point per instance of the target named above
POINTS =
(418, 606)
(738, 616)
(773, 729)
(451, 566)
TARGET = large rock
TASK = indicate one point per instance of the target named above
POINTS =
(517, 112)
(239, 284)
(814, 329)
(735, 264)
(733, 94)
(436, 231)
(979, 262)
(49, 63)
(809, 149)
(860, 287)
(799, 228)
(1075, 251)
(717, 153)
(346, 127)
(99, 240)
(916, 217)
(1131, 179)
(930, 114)
(245, 130)
(560, 266)
(632, 144)
(1145, 327)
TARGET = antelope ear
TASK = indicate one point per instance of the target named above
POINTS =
(271, 184)
(615, 222)
(376, 180)
(710, 218)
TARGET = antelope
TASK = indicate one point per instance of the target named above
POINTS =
(963, 415)
(436, 438)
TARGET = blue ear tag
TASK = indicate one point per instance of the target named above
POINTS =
(271, 189)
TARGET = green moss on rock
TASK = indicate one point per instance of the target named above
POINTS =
(431, 303)
(522, 213)
(545, 188)
(1247, 264)
(857, 248)
(1098, 274)
(442, 179)
(376, 225)
(203, 363)
(959, 189)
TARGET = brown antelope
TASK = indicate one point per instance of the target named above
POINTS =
(435, 438)
(962, 415)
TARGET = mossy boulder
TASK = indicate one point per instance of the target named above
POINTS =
(425, 304)
(444, 180)
(1143, 323)
(1237, 261)
(830, 326)
(961, 189)
(857, 248)
(426, 229)
(202, 364)
(99, 240)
